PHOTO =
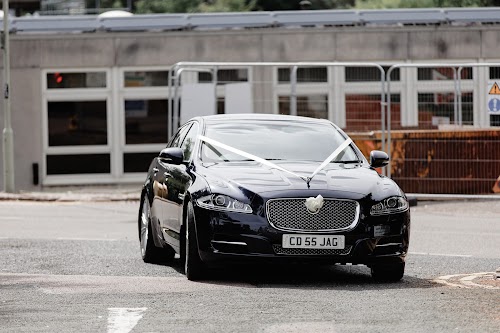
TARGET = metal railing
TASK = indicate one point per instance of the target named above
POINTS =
(292, 88)
(447, 155)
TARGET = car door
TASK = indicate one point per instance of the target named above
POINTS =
(160, 176)
(178, 181)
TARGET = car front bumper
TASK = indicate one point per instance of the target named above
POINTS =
(237, 237)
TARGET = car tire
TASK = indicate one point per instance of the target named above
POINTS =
(194, 268)
(149, 252)
(388, 272)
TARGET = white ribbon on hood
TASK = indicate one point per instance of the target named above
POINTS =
(336, 152)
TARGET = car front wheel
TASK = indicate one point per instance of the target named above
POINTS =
(388, 272)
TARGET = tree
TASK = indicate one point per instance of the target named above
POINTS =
(274, 5)
(226, 6)
(190, 6)
(381, 4)
(105, 4)
(167, 6)
(390, 4)
(193, 6)
(197, 6)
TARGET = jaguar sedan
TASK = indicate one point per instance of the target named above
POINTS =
(241, 188)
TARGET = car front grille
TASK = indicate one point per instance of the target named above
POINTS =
(292, 215)
(278, 249)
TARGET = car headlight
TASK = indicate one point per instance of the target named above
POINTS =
(390, 206)
(224, 203)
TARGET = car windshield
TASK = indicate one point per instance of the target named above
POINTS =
(275, 140)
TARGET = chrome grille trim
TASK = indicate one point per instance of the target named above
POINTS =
(303, 216)
(278, 249)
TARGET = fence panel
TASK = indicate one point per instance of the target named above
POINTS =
(450, 153)
(349, 94)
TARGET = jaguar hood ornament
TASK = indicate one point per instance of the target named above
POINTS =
(313, 204)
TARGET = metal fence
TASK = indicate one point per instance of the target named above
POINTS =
(456, 150)
(352, 95)
(431, 118)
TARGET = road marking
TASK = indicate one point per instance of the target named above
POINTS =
(123, 320)
(467, 280)
(442, 254)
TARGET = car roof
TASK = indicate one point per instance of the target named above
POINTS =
(222, 118)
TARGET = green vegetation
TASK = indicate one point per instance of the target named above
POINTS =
(381, 4)
(193, 6)
(200, 6)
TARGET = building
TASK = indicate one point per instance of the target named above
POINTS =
(90, 95)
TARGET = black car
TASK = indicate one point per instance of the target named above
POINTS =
(234, 188)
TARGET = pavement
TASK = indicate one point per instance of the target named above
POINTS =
(128, 192)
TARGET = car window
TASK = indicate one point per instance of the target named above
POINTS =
(176, 142)
(189, 141)
(274, 140)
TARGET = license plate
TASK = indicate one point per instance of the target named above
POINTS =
(294, 241)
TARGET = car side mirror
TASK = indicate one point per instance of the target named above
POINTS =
(378, 159)
(173, 155)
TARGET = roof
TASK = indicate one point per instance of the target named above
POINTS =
(260, 116)
(243, 20)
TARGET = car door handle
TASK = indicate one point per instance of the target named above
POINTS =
(155, 170)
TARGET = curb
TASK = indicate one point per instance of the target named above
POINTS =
(69, 197)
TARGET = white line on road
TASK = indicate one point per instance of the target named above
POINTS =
(123, 320)
(442, 254)
(466, 280)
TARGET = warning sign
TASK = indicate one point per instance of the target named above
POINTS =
(495, 90)
(493, 98)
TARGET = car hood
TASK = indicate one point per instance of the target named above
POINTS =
(257, 178)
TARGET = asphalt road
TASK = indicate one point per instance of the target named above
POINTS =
(76, 267)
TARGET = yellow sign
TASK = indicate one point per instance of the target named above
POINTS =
(495, 90)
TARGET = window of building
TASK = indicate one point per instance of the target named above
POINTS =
(77, 123)
(495, 120)
(314, 106)
(146, 121)
(137, 162)
(137, 79)
(442, 73)
(304, 75)
(436, 109)
(369, 74)
(78, 164)
(69, 80)
(225, 76)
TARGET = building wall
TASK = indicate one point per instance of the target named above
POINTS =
(30, 54)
